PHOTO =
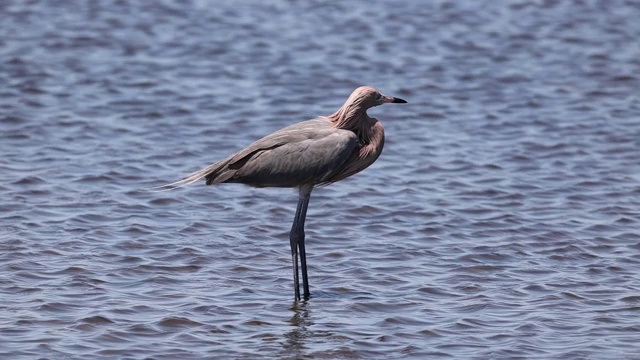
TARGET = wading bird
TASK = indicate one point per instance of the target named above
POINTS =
(320, 151)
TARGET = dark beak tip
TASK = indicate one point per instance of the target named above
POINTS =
(399, 101)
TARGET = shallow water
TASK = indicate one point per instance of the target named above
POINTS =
(501, 220)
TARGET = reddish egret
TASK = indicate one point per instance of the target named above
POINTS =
(313, 152)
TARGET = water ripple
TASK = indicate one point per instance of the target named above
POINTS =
(498, 223)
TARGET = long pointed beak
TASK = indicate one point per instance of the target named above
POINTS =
(391, 99)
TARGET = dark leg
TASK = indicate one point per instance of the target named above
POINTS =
(294, 259)
(296, 238)
(303, 265)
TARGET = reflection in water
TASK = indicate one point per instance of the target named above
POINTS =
(295, 338)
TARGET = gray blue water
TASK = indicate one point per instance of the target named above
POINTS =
(501, 221)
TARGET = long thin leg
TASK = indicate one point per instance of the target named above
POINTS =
(294, 260)
(303, 263)
(296, 238)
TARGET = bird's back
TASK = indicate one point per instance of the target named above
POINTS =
(309, 152)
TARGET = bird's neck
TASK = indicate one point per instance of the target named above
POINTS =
(350, 118)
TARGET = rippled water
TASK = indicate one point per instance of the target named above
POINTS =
(500, 221)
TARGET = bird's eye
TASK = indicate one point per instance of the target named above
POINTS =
(378, 96)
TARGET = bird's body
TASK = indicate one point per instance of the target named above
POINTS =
(309, 153)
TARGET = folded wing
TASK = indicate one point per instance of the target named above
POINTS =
(310, 152)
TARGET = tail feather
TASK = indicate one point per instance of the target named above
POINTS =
(193, 177)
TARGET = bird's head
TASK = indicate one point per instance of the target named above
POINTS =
(366, 97)
(353, 113)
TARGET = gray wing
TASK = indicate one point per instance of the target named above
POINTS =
(309, 152)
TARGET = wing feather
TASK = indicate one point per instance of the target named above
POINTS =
(309, 152)
(307, 156)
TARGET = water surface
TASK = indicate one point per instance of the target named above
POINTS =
(501, 220)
